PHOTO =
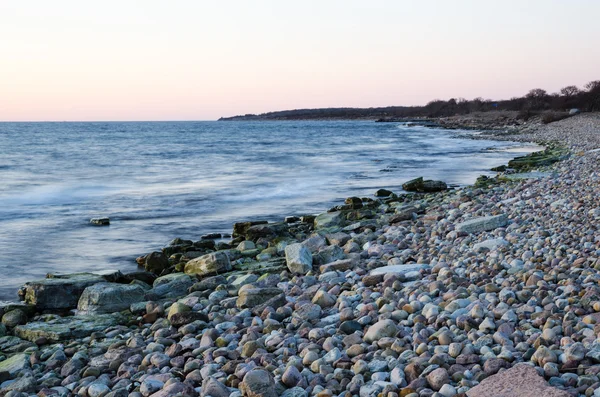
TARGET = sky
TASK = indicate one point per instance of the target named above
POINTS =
(65, 60)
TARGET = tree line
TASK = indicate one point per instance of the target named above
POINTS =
(536, 101)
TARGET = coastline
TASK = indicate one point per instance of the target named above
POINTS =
(291, 326)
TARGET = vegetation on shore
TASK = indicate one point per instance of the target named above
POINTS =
(536, 101)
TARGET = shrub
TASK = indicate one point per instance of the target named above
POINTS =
(551, 117)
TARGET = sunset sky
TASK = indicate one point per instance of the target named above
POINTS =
(199, 60)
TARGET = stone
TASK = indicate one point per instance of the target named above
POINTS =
(14, 318)
(490, 245)
(482, 224)
(97, 389)
(381, 329)
(258, 383)
(438, 378)
(246, 245)
(100, 221)
(172, 285)
(156, 262)
(251, 297)
(213, 388)
(291, 377)
(522, 380)
(23, 384)
(150, 386)
(208, 265)
(109, 297)
(58, 293)
(298, 258)
(295, 392)
(329, 220)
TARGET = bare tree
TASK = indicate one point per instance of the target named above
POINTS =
(570, 91)
(593, 86)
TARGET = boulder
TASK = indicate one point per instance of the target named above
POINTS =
(522, 380)
(328, 254)
(156, 262)
(109, 297)
(250, 297)
(298, 258)
(58, 293)
(482, 224)
(172, 285)
(208, 265)
(383, 193)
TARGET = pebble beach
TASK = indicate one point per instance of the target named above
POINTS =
(486, 290)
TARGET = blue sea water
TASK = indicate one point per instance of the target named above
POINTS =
(160, 180)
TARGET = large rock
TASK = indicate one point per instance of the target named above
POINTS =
(208, 265)
(156, 262)
(424, 186)
(15, 364)
(298, 258)
(65, 328)
(482, 224)
(268, 231)
(109, 297)
(250, 297)
(329, 220)
(258, 383)
(522, 380)
(58, 293)
(172, 285)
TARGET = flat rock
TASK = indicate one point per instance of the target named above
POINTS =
(15, 364)
(68, 327)
(482, 224)
(100, 221)
(109, 297)
(490, 245)
(522, 380)
(58, 293)
(397, 269)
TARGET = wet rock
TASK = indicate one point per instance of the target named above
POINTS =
(14, 318)
(156, 262)
(100, 221)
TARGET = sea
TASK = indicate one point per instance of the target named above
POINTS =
(161, 180)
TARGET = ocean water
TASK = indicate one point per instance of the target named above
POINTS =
(160, 180)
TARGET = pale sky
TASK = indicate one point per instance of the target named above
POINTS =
(199, 60)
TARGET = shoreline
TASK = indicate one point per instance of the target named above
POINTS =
(319, 306)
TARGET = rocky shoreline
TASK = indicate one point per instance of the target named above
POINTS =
(458, 292)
